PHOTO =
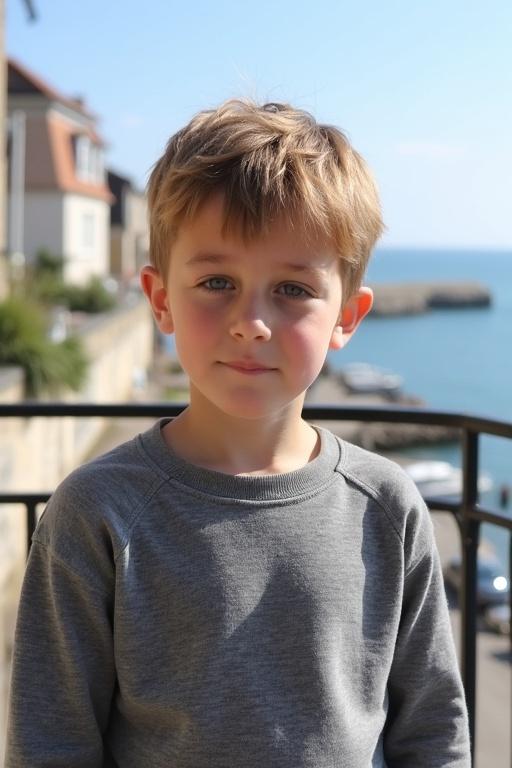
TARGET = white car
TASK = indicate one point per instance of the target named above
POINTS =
(440, 478)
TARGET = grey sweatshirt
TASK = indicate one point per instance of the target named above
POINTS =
(174, 617)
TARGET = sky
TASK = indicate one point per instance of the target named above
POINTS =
(422, 88)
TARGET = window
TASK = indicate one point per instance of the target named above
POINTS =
(88, 160)
(82, 151)
(97, 170)
(88, 230)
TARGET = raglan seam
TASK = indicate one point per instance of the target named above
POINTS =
(138, 513)
(148, 460)
(129, 523)
(375, 495)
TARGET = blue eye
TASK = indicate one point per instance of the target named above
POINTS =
(216, 284)
(293, 291)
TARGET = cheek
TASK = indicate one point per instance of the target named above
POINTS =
(194, 318)
(307, 346)
(196, 330)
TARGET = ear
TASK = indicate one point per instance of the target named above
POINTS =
(355, 309)
(156, 292)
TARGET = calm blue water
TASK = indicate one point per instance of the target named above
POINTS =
(460, 359)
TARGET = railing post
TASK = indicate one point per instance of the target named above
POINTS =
(31, 522)
(470, 542)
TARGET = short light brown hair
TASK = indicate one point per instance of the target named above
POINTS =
(268, 161)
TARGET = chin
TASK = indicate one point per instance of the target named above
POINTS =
(252, 402)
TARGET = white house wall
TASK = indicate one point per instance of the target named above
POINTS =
(43, 223)
(86, 237)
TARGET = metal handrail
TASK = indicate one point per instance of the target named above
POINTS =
(468, 514)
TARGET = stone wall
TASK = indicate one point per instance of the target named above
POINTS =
(37, 453)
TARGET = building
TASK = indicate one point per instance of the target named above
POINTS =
(129, 234)
(58, 196)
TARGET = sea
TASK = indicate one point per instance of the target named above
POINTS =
(458, 360)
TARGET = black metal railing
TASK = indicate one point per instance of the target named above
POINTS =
(467, 512)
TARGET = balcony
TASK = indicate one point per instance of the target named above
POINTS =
(466, 513)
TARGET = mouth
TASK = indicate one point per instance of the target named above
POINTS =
(248, 367)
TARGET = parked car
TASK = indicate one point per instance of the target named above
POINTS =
(497, 618)
(492, 584)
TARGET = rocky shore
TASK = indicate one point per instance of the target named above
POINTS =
(417, 298)
(330, 390)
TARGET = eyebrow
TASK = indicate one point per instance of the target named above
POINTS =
(206, 257)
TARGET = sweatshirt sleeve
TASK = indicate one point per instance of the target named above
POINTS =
(63, 667)
(427, 718)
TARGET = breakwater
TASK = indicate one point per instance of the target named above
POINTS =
(414, 298)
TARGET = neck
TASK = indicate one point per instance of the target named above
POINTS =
(211, 439)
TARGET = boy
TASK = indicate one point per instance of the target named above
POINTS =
(235, 587)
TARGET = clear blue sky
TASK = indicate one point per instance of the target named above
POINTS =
(422, 87)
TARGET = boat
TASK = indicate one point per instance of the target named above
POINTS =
(440, 478)
(363, 378)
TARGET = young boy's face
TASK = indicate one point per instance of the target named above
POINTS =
(253, 321)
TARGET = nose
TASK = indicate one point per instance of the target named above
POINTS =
(249, 323)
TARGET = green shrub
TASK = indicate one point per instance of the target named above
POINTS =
(23, 342)
(90, 298)
(48, 264)
(48, 290)
(93, 297)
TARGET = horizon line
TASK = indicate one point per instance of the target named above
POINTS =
(436, 247)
